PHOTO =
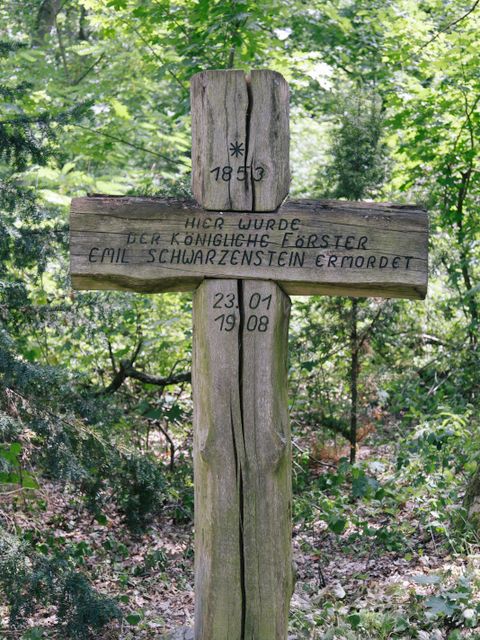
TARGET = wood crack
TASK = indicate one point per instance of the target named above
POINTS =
(249, 181)
(241, 459)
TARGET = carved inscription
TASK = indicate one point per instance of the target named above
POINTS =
(237, 149)
(240, 140)
(256, 318)
(308, 248)
(240, 173)
(228, 173)
(204, 241)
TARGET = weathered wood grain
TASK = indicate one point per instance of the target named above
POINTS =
(308, 247)
(240, 140)
(217, 423)
(241, 461)
(266, 472)
(219, 104)
(269, 138)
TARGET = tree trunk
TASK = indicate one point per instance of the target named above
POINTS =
(46, 19)
(353, 380)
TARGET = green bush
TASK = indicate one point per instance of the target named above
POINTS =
(30, 581)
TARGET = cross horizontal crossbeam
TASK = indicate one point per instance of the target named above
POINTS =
(306, 246)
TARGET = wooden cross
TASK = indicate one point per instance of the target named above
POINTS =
(242, 251)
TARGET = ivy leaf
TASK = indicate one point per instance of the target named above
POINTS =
(337, 525)
(134, 618)
(354, 620)
(436, 606)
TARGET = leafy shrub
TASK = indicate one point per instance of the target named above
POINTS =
(453, 605)
(439, 453)
(74, 445)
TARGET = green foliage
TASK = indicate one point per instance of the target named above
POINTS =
(384, 102)
(435, 454)
(11, 471)
(47, 420)
(452, 603)
(30, 580)
(141, 487)
(358, 167)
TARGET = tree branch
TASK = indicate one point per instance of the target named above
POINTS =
(370, 327)
(156, 55)
(88, 70)
(131, 144)
(112, 357)
(127, 370)
(450, 25)
(170, 442)
(159, 381)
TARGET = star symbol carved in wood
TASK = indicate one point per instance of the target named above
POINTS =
(236, 149)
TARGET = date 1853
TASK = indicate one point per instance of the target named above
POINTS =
(227, 173)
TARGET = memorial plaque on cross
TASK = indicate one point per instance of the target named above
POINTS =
(243, 251)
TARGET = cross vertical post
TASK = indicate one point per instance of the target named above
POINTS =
(242, 449)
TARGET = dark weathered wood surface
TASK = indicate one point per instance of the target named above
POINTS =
(240, 140)
(242, 461)
(307, 246)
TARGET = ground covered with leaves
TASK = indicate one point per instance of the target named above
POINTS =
(381, 549)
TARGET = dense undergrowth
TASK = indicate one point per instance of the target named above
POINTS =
(384, 548)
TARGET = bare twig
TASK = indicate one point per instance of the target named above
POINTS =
(174, 163)
(156, 55)
(316, 460)
(170, 442)
(450, 25)
(83, 75)
(370, 327)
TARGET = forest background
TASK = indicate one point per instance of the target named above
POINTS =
(96, 495)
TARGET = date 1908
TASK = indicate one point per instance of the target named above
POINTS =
(257, 303)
